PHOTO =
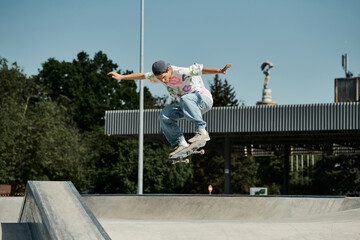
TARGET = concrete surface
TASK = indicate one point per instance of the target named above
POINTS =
(202, 217)
(214, 207)
(222, 229)
(9, 215)
(10, 209)
(207, 217)
(15, 231)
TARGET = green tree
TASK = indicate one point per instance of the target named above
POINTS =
(86, 90)
(160, 176)
(58, 147)
(270, 173)
(33, 130)
(337, 175)
(243, 173)
(116, 166)
(208, 169)
(223, 93)
(14, 98)
(115, 163)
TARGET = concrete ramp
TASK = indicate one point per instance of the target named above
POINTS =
(200, 217)
(230, 207)
(55, 210)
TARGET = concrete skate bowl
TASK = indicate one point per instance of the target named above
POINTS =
(54, 210)
(226, 217)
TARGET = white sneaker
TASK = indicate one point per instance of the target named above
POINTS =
(201, 134)
(181, 146)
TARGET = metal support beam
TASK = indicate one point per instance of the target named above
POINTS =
(286, 170)
(227, 153)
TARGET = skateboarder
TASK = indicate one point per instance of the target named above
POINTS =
(187, 85)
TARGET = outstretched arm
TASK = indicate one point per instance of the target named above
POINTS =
(216, 70)
(134, 76)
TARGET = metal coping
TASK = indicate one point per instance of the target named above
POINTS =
(212, 195)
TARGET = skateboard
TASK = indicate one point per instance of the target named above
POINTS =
(193, 148)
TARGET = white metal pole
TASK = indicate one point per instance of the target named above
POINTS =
(141, 112)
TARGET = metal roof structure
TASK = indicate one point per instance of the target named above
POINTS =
(282, 120)
(260, 130)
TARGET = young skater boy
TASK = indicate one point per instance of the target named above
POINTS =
(187, 85)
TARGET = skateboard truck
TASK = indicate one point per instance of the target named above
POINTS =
(181, 157)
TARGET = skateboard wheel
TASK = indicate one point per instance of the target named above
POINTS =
(186, 161)
(202, 152)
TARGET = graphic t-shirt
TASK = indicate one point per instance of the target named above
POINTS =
(183, 81)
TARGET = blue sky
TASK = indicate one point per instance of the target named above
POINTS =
(303, 39)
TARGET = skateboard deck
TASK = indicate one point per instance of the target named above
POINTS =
(193, 148)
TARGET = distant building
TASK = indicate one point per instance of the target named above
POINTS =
(347, 89)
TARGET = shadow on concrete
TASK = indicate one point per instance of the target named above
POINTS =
(15, 231)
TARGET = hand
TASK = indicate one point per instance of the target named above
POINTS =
(223, 71)
(115, 75)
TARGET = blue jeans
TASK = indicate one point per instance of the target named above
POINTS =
(191, 107)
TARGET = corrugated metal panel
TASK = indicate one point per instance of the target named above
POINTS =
(283, 118)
